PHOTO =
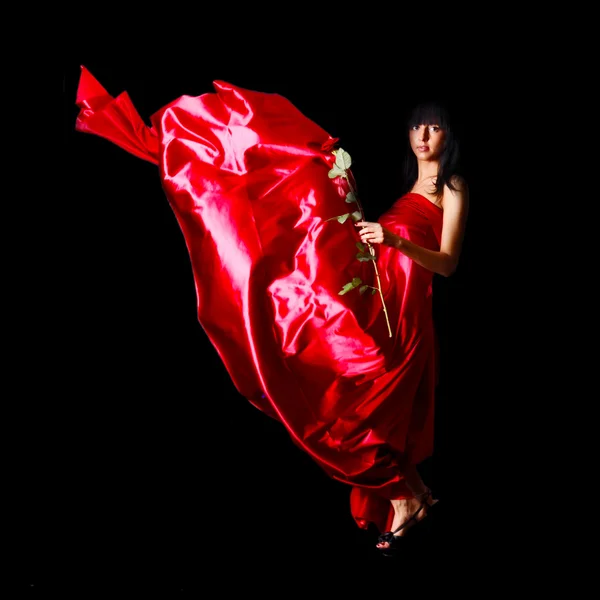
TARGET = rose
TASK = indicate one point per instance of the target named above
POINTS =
(329, 145)
(341, 168)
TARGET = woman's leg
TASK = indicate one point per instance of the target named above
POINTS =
(407, 509)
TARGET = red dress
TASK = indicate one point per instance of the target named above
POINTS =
(247, 177)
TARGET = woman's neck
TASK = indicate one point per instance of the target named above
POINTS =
(427, 170)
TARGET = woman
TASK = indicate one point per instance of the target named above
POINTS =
(431, 176)
(251, 182)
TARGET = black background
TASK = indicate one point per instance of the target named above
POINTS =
(142, 467)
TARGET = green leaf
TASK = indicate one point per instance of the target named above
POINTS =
(356, 215)
(373, 291)
(363, 257)
(356, 281)
(335, 172)
(360, 246)
(341, 218)
(351, 197)
(342, 159)
(363, 289)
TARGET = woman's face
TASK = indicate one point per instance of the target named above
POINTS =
(427, 141)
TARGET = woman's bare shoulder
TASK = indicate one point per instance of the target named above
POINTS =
(457, 196)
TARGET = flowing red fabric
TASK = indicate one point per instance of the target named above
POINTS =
(247, 176)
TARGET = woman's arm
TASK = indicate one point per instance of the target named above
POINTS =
(444, 261)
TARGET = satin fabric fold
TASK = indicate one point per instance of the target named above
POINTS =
(246, 175)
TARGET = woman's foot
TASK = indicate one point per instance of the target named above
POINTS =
(407, 513)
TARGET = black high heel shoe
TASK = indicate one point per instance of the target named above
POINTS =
(396, 542)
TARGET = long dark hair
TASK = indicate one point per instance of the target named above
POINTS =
(433, 113)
